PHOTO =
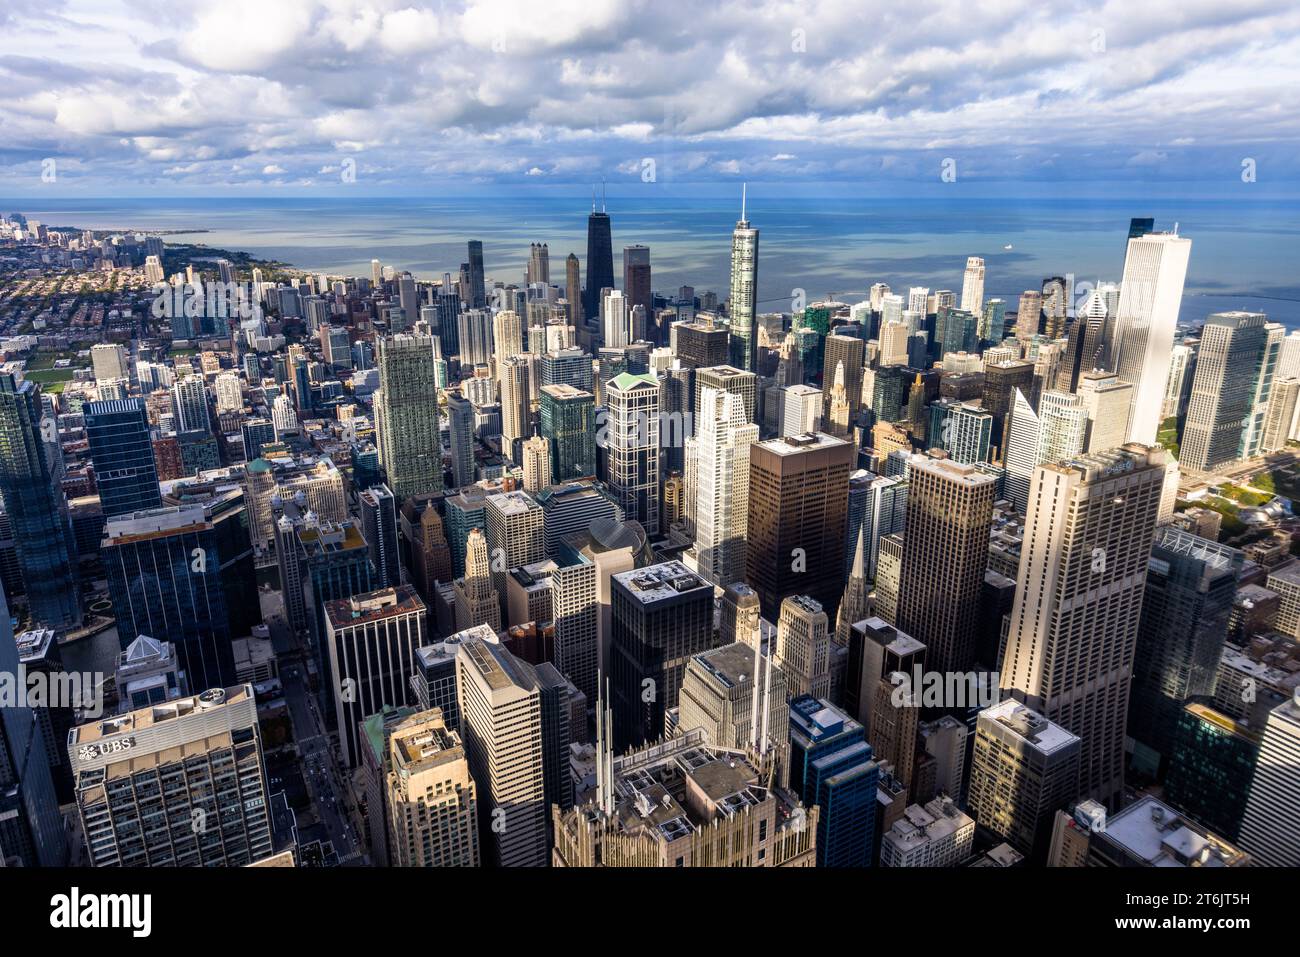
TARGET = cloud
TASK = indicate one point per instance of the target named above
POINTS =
(422, 94)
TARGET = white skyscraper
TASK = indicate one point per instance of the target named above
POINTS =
(616, 319)
(720, 456)
(972, 286)
(1150, 294)
(1072, 631)
(632, 432)
(743, 299)
(230, 393)
(1055, 433)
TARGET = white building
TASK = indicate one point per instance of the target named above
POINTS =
(937, 835)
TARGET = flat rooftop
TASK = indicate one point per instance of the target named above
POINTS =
(657, 582)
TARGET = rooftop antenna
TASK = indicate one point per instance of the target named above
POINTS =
(767, 701)
(602, 194)
(593, 197)
(753, 708)
(743, 189)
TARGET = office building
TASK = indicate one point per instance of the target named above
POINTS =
(406, 413)
(937, 834)
(662, 616)
(831, 767)
(1190, 585)
(35, 506)
(176, 784)
(1269, 831)
(717, 471)
(944, 557)
(631, 429)
(122, 453)
(501, 726)
(803, 647)
(798, 498)
(1223, 395)
(743, 299)
(1083, 564)
(371, 640)
(1024, 770)
(1151, 292)
(379, 525)
(432, 810)
(568, 424)
(477, 599)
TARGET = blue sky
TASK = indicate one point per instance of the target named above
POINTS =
(285, 97)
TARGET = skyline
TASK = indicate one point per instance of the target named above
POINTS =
(386, 96)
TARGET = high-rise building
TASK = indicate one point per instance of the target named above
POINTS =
(35, 506)
(573, 290)
(568, 423)
(31, 828)
(600, 261)
(109, 361)
(685, 803)
(460, 427)
(1151, 291)
(739, 700)
(477, 601)
(502, 728)
(536, 454)
(379, 525)
(164, 569)
(1083, 565)
(432, 802)
(516, 419)
(1263, 372)
(803, 647)
(1211, 766)
(406, 410)
(662, 615)
(371, 639)
(798, 501)
(477, 294)
(1024, 770)
(848, 352)
(636, 277)
(944, 557)
(632, 434)
(1269, 831)
(743, 300)
(718, 469)
(1190, 585)
(122, 453)
(831, 767)
(181, 783)
(1107, 401)
(972, 286)
(1055, 432)
(1222, 392)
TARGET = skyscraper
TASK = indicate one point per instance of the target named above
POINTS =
(568, 423)
(460, 426)
(1152, 289)
(1073, 626)
(798, 502)
(379, 525)
(122, 453)
(803, 647)
(371, 639)
(600, 261)
(477, 298)
(573, 291)
(945, 555)
(718, 464)
(407, 413)
(31, 829)
(1269, 831)
(662, 615)
(432, 801)
(743, 301)
(1189, 593)
(1024, 770)
(972, 286)
(831, 767)
(1222, 391)
(477, 602)
(632, 434)
(501, 725)
(35, 505)
(181, 783)
(636, 277)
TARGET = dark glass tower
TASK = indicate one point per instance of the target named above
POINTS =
(478, 295)
(35, 506)
(122, 453)
(600, 262)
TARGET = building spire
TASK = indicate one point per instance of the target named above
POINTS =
(743, 189)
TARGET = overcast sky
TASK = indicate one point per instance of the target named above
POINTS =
(298, 96)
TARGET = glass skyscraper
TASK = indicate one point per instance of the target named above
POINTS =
(122, 453)
(34, 504)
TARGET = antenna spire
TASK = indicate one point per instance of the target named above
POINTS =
(743, 189)
(602, 194)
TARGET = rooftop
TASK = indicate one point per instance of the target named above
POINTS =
(658, 582)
